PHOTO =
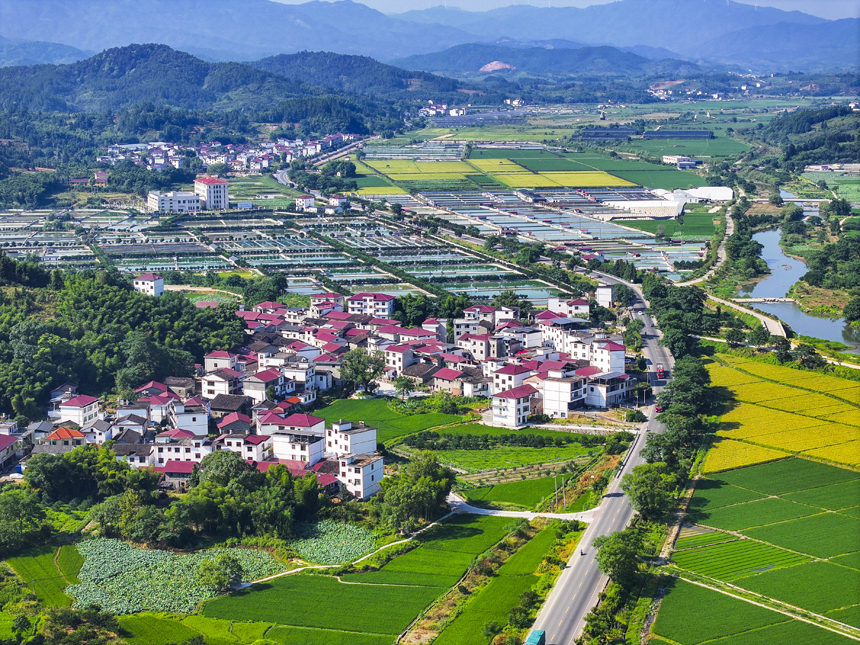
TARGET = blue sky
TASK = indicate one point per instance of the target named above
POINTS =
(832, 9)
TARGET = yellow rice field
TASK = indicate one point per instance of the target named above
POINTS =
(770, 419)
(726, 454)
(526, 180)
(427, 176)
(401, 167)
(381, 190)
(846, 453)
(586, 179)
(491, 166)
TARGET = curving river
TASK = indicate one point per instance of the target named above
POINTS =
(785, 271)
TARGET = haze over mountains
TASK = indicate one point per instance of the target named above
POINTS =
(240, 30)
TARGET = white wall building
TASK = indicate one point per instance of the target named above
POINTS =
(561, 394)
(299, 445)
(173, 202)
(348, 438)
(150, 284)
(361, 474)
(212, 192)
(82, 410)
(512, 408)
(378, 305)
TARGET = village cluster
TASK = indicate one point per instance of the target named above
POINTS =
(256, 400)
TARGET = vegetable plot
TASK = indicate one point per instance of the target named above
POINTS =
(330, 542)
(124, 580)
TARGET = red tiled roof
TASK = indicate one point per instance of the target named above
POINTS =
(513, 370)
(484, 309)
(516, 393)
(614, 347)
(447, 374)
(327, 296)
(232, 418)
(148, 277)
(161, 387)
(548, 315)
(417, 332)
(80, 401)
(270, 374)
(6, 441)
(177, 433)
(64, 433)
(176, 467)
(302, 420)
(588, 371)
(378, 297)
(338, 315)
(210, 181)
(220, 354)
(577, 301)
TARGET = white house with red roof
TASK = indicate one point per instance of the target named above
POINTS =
(569, 307)
(477, 345)
(82, 409)
(221, 381)
(439, 327)
(220, 359)
(397, 359)
(65, 437)
(304, 202)
(251, 446)
(275, 423)
(193, 415)
(257, 385)
(509, 377)
(511, 408)
(608, 355)
(378, 305)
(150, 284)
(212, 192)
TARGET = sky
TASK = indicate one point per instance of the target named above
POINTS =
(831, 9)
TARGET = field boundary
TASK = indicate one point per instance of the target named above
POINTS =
(783, 608)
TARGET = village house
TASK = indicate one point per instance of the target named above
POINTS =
(150, 284)
(511, 408)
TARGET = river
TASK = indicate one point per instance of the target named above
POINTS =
(784, 272)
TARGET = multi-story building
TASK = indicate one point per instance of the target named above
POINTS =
(150, 284)
(511, 408)
(82, 410)
(223, 381)
(212, 192)
(255, 447)
(561, 394)
(570, 308)
(509, 377)
(173, 202)
(348, 438)
(361, 474)
(299, 445)
(378, 305)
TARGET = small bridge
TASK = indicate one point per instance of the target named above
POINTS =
(763, 300)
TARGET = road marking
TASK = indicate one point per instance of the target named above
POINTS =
(580, 584)
(560, 622)
(567, 610)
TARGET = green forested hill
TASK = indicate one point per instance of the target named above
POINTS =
(358, 74)
(117, 78)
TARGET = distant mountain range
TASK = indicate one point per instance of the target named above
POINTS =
(121, 77)
(583, 61)
(18, 52)
(220, 30)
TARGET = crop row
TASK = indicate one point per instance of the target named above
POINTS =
(727, 454)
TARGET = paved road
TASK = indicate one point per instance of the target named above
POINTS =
(721, 254)
(774, 327)
(576, 592)
(458, 505)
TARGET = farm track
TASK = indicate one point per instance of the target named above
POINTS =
(785, 609)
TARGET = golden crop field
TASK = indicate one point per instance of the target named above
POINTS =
(770, 419)
(586, 179)
(525, 180)
(497, 165)
(846, 453)
(726, 454)
(764, 391)
(748, 420)
(802, 402)
(381, 190)
(851, 418)
(427, 176)
(806, 439)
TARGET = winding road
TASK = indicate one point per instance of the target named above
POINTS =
(580, 583)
